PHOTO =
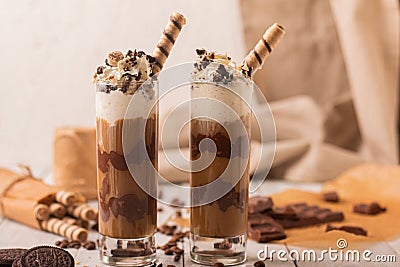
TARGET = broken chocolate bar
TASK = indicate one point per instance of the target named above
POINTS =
(301, 215)
(369, 209)
(347, 228)
(260, 204)
(263, 228)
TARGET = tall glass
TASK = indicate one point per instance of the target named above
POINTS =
(127, 214)
(219, 228)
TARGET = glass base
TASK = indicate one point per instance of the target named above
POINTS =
(209, 250)
(127, 252)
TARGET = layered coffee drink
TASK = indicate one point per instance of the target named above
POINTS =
(220, 130)
(126, 141)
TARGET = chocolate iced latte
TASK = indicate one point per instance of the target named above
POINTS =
(127, 143)
(218, 228)
(127, 214)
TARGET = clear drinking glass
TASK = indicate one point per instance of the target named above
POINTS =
(219, 228)
(127, 214)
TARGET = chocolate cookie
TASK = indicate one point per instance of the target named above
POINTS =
(9, 255)
(47, 256)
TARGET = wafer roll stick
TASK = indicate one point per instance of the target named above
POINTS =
(58, 210)
(66, 198)
(167, 40)
(78, 222)
(42, 212)
(84, 212)
(270, 39)
(59, 227)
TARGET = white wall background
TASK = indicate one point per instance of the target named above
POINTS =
(50, 50)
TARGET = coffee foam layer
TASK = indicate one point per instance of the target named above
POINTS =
(112, 106)
(221, 103)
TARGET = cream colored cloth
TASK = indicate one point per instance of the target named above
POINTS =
(332, 82)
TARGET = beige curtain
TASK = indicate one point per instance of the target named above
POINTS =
(332, 83)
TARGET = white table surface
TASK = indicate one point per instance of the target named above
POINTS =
(17, 235)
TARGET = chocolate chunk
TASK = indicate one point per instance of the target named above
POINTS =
(368, 209)
(263, 228)
(140, 53)
(151, 59)
(286, 212)
(347, 228)
(100, 70)
(260, 204)
(47, 256)
(331, 196)
(219, 264)
(223, 245)
(259, 264)
(200, 51)
(301, 215)
(9, 255)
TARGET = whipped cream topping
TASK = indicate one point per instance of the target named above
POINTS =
(113, 106)
(124, 72)
(216, 67)
(217, 77)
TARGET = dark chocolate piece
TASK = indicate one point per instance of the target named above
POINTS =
(263, 228)
(348, 228)
(331, 196)
(260, 204)
(368, 209)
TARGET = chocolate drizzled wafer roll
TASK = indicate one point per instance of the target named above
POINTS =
(59, 227)
(42, 212)
(256, 58)
(58, 210)
(167, 40)
(84, 212)
(66, 198)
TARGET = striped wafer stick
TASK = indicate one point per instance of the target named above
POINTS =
(66, 198)
(84, 212)
(42, 212)
(78, 222)
(270, 39)
(167, 40)
(59, 227)
(58, 210)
